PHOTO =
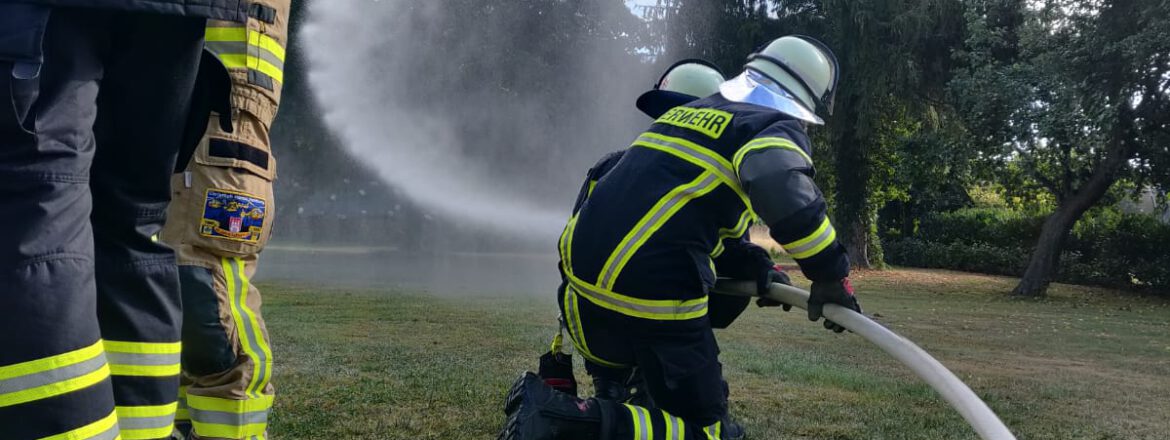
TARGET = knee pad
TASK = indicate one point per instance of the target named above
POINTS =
(206, 347)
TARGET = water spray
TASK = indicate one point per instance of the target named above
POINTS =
(953, 390)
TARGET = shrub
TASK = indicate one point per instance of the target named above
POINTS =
(1107, 247)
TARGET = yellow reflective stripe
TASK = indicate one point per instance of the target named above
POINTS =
(643, 429)
(736, 231)
(675, 427)
(266, 363)
(146, 422)
(592, 183)
(247, 326)
(238, 317)
(814, 243)
(145, 370)
(52, 362)
(566, 243)
(235, 406)
(661, 310)
(181, 413)
(655, 217)
(104, 429)
(143, 347)
(667, 421)
(649, 423)
(229, 418)
(254, 47)
(239, 61)
(147, 411)
(241, 34)
(577, 330)
(770, 142)
(226, 34)
(714, 431)
(53, 376)
(219, 430)
(153, 359)
(558, 341)
(695, 154)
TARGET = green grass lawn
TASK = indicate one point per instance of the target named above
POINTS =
(1084, 364)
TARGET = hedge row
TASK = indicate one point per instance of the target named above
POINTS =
(1106, 248)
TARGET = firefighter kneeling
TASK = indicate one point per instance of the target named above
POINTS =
(638, 255)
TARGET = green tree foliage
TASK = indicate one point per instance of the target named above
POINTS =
(895, 60)
(1070, 95)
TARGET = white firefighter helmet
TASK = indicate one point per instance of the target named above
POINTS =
(682, 82)
(794, 74)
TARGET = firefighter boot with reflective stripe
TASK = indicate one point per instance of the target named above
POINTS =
(538, 412)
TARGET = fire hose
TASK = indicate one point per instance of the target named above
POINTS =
(953, 390)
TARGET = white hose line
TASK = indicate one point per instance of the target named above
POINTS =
(953, 390)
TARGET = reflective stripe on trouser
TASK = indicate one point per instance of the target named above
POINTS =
(656, 424)
(239, 47)
(52, 376)
(229, 418)
(235, 403)
(143, 365)
(104, 429)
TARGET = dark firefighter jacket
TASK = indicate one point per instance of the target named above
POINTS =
(646, 234)
(22, 22)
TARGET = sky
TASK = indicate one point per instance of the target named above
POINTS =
(632, 3)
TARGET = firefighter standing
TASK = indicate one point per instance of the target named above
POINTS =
(638, 257)
(96, 96)
(219, 221)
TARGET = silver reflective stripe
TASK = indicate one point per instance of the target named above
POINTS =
(820, 239)
(648, 227)
(594, 294)
(644, 420)
(676, 426)
(245, 318)
(227, 418)
(713, 165)
(29, 381)
(117, 358)
(109, 434)
(146, 422)
(243, 48)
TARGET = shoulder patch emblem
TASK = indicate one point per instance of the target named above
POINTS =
(233, 215)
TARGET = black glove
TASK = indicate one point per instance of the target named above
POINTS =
(775, 274)
(839, 292)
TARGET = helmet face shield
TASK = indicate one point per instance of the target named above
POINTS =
(823, 100)
(754, 87)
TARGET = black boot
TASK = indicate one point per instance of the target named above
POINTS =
(610, 389)
(732, 430)
(538, 412)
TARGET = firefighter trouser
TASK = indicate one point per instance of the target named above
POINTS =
(678, 360)
(220, 220)
(90, 311)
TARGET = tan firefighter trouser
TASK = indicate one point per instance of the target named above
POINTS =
(220, 218)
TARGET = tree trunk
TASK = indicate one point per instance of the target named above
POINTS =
(1045, 261)
(852, 216)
